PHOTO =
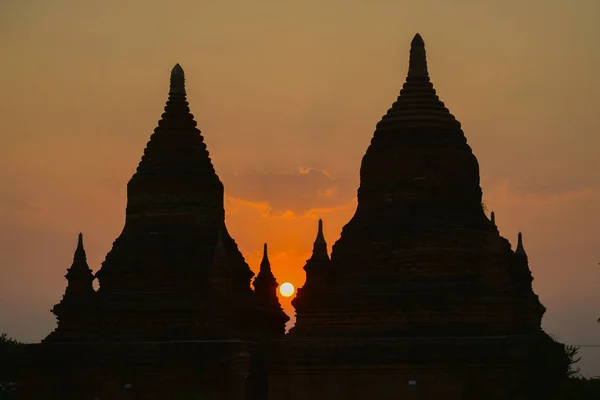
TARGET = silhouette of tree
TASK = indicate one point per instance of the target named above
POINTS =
(573, 354)
(577, 386)
(8, 352)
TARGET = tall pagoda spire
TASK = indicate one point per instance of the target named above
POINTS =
(417, 65)
(176, 168)
(406, 168)
(174, 202)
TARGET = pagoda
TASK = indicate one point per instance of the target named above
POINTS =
(422, 297)
(308, 301)
(79, 296)
(175, 314)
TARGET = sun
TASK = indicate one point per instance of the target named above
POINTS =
(286, 289)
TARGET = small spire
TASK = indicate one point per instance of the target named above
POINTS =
(417, 66)
(80, 251)
(320, 245)
(493, 218)
(79, 275)
(177, 81)
(320, 236)
(520, 249)
(265, 265)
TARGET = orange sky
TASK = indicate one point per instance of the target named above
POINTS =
(287, 95)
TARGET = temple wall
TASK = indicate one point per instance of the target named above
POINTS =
(143, 384)
(387, 385)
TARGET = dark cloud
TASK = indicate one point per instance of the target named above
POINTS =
(298, 191)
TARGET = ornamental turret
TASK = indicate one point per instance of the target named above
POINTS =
(265, 293)
(76, 305)
(320, 246)
(265, 283)
(79, 277)
(317, 268)
(520, 250)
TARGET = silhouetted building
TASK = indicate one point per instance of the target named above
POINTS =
(421, 298)
(174, 314)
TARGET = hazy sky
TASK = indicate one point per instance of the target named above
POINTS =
(287, 95)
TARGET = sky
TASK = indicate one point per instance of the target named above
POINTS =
(287, 95)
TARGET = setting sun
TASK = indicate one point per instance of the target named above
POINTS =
(286, 289)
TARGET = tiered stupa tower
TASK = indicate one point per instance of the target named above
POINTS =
(174, 220)
(73, 310)
(175, 314)
(424, 299)
(265, 291)
(309, 298)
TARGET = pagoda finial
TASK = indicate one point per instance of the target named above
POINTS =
(320, 237)
(265, 265)
(320, 245)
(177, 80)
(493, 218)
(520, 250)
(79, 251)
(417, 67)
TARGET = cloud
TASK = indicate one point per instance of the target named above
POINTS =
(287, 194)
(509, 192)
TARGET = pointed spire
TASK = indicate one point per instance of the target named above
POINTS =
(176, 151)
(265, 265)
(417, 66)
(520, 250)
(420, 118)
(265, 283)
(177, 81)
(320, 237)
(493, 218)
(320, 245)
(79, 275)
(80, 251)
